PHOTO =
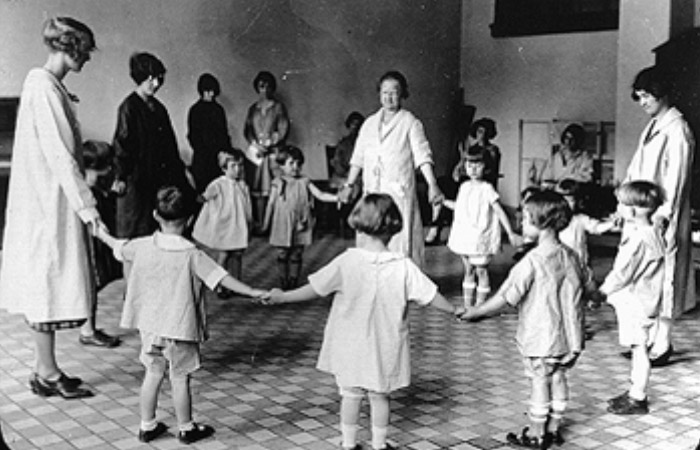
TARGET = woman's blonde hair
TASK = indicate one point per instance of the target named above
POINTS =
(70, 36)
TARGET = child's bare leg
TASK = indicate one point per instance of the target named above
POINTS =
(483, 287)
(235, 263)
(149, 397)
(182, 400)
(641, 370)
(350, 415)
(379, 410)
(560, 397)
(283, 266)
(468, 283)
(540, 399)
(295, 261)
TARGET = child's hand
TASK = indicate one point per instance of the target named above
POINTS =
(459, 312)
(595, 299)
(275, 296)
(260, 295)
(515, 240)
(469, 314)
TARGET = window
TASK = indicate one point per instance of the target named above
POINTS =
(536, 17)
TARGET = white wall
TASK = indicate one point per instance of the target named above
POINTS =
(566, 76)
(327, 57)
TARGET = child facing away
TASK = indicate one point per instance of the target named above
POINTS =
(546, 286)
(165, 301)
(224, 221)
(288, 215)
(476, 230)
(366, 344)
(634, 287)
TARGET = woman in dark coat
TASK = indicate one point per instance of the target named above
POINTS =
(147, 155)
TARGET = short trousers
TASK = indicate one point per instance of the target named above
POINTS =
(539, 367)
(633, 325)
(157, 353)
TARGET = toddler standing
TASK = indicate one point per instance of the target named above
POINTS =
(165, 301)
(365, 344)
(634, 287)
(476, 230)
(225, 218)
(546, 286)
(289, 214)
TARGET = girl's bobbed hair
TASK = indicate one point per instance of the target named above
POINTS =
(376, 215)
(548, 210)
(208, 82)
(266, 77)
(641, 194)
(70, 36)
(287, 152)
(230, 154)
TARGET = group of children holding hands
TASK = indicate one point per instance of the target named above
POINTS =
(366, 345)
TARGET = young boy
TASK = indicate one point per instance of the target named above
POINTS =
(164, 300)
(547, 287)
(634, 287)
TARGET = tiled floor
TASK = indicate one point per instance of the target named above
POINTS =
(259, 387)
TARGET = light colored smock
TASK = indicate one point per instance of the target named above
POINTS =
(476, 229)
(223, 221)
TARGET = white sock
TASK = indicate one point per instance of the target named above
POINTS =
(349, 433)
(379, 437)
(187, 426)
(148, 425)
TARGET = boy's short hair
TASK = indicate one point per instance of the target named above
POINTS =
(230, 154)
(289, 152)
(376, 215)
(568, 186)
(143, 65)
(640, 194)
(548, 210)
(476, 154)
(208, 82)
(172, 204)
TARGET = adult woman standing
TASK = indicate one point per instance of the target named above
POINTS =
(146, 151)
(266, 128)
(390, 146)
(664, 156)
(46, 273)
(571, 160)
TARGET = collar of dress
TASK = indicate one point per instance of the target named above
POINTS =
(172, 242)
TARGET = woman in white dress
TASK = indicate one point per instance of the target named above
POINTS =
(665, 156)
(390, 147)
(46, 273)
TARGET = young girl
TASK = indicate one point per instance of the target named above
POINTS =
(365, 344)
(289, 216)
(547, 288)
(225, 218)
(476, 235)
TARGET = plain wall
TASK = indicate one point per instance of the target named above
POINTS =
(327, 56)
(561, 76)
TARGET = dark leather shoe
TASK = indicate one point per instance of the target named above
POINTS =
(617, 399)
(629, 406)
(195, 434)
(100, 339)
(663, 358)
(149, 435)
(47, 388)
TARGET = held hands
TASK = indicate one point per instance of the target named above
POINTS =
(661, 223)
(345, 193)
(276, 296)
(515, 240)
(435, 195)
(469, 314)
(118, 187)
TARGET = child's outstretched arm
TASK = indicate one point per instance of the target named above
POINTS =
(239, 287)
(489, 307)
(301, 294)
(443, 304)
(514, 239)
(449, 203)
(322, 196)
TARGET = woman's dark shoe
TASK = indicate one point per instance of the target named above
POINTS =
(100, 339)
(72, 382)
(552, 438)
(620, 398)
(195, 434)
(527, 441)
(629, 406)
(149, 435)
(47, 388)
(662, 359)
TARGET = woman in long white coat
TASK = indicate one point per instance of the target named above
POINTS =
(390, 146)
(665, 156)
(45, 273)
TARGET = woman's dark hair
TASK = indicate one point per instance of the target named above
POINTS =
(68, 35)
(354, 117)
(208, 82)
(652, 80)
(230, 154)
(143, 65)
(267, 78)
(376, 215)
(399, 78)
(578, 134)
(172, 204)
(487, 124)
(640, 193)
(548, 210)
(289, 152)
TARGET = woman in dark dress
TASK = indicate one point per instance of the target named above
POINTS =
(146, 151)
(207, 132)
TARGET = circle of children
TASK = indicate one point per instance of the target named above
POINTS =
(365, 345)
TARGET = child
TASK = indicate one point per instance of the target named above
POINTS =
(476, 235)
(526, 244)
(225, 218)
(634, 287)
(547, 288)
(365, 344)
(164, 300)
(288, 214)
